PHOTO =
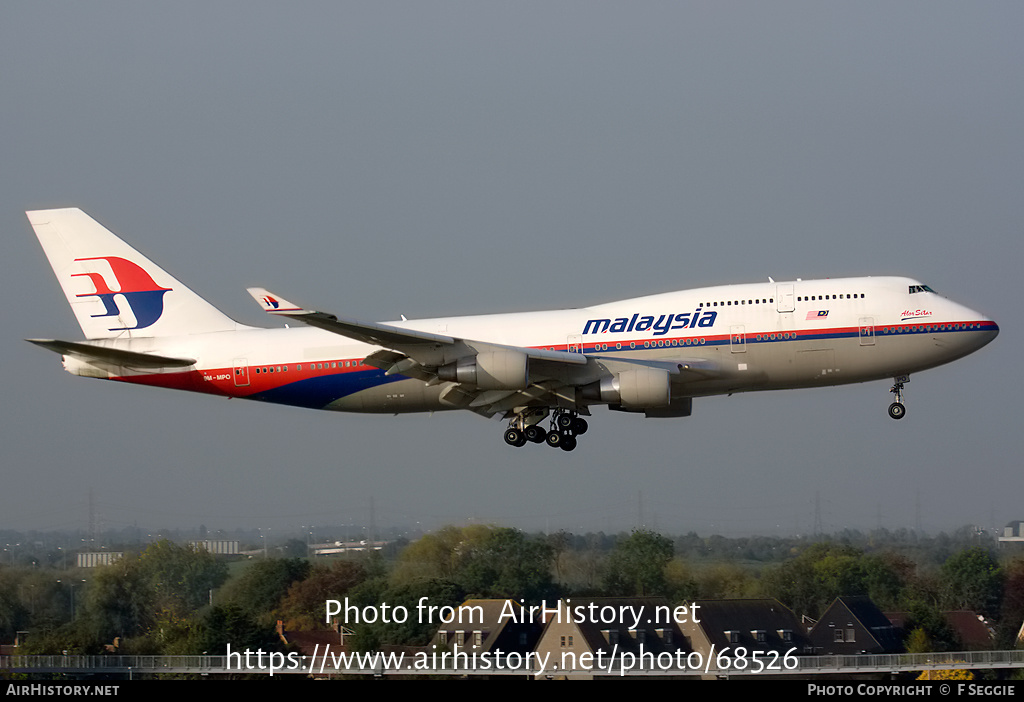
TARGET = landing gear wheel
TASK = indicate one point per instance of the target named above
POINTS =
(514, 437)
(579, 426)
(564, 421)
(897, 410)
(535, 434)
(568, 443)
(555, 438)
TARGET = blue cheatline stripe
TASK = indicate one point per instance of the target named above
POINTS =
(765, 337)
(318, 392)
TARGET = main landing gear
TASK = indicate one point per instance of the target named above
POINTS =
(566, 425)
(897, 410)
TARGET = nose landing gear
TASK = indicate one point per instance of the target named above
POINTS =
(897, 410)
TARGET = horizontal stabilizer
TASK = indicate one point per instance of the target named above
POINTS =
(132, 359)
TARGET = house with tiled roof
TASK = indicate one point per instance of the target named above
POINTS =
(854, 625)
(971, 631)
(314, 641)
(580, 632)
(481, 625)
(760, 625)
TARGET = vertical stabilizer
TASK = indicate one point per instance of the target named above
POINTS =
(114, 291)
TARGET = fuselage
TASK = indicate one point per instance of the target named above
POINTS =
(757, 336)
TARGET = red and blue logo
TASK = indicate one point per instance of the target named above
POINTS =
(136, 286)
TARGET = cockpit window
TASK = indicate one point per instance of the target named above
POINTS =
(920, 288)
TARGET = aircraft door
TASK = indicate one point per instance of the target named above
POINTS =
(784, 297)
(241, 373)
(737, 339)
(867, 331)
(574, 344)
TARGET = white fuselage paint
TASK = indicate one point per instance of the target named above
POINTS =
(761, 336)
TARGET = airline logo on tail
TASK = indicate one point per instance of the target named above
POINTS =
(140, 291)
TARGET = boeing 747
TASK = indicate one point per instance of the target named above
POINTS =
(650, 355)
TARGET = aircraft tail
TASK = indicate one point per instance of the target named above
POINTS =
(114, 291)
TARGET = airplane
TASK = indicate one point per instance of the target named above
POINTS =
(648, 355)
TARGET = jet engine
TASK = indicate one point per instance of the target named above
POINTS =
(503, 369)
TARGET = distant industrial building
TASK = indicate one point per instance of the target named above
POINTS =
(341, 547)
(218, 547)
(91, 559)
(1012, 531)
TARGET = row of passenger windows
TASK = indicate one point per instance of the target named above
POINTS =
(948, 326)
(808, 298)
(726, 303)
(652, 344)
(312, 366)
(804, 298)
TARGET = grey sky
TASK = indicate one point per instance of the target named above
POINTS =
(378, 159)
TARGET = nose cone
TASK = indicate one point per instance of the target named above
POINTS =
(980, 330)
(990, 329)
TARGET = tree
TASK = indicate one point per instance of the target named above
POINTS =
(486, 561)
(120, 601)
(371, 596)
(506, 563)
(164, 584)
(12, 613)
(888, 577)
(1012, 603)
(948, 674)
(918, 641)
(559, 543)
(260, 588)
(971, 579)
(929, 630)
(438, 555)
(637, 565)
(303, 605)
(181, 576)
(231, 624)
(822, 572)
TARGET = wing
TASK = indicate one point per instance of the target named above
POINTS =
(490, 378)
(481, 376)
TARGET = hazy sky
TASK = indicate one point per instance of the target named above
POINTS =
(376, 159)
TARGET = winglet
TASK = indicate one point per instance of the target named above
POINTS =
(275, 304)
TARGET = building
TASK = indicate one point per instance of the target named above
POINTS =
(1012, 532)
(854, 625)
(583, 632)
(482, 625)
(218, 547)
(92, 559)
(751, 624)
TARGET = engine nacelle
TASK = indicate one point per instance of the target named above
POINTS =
(680, 407)
(636, 389)
(505, 369)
